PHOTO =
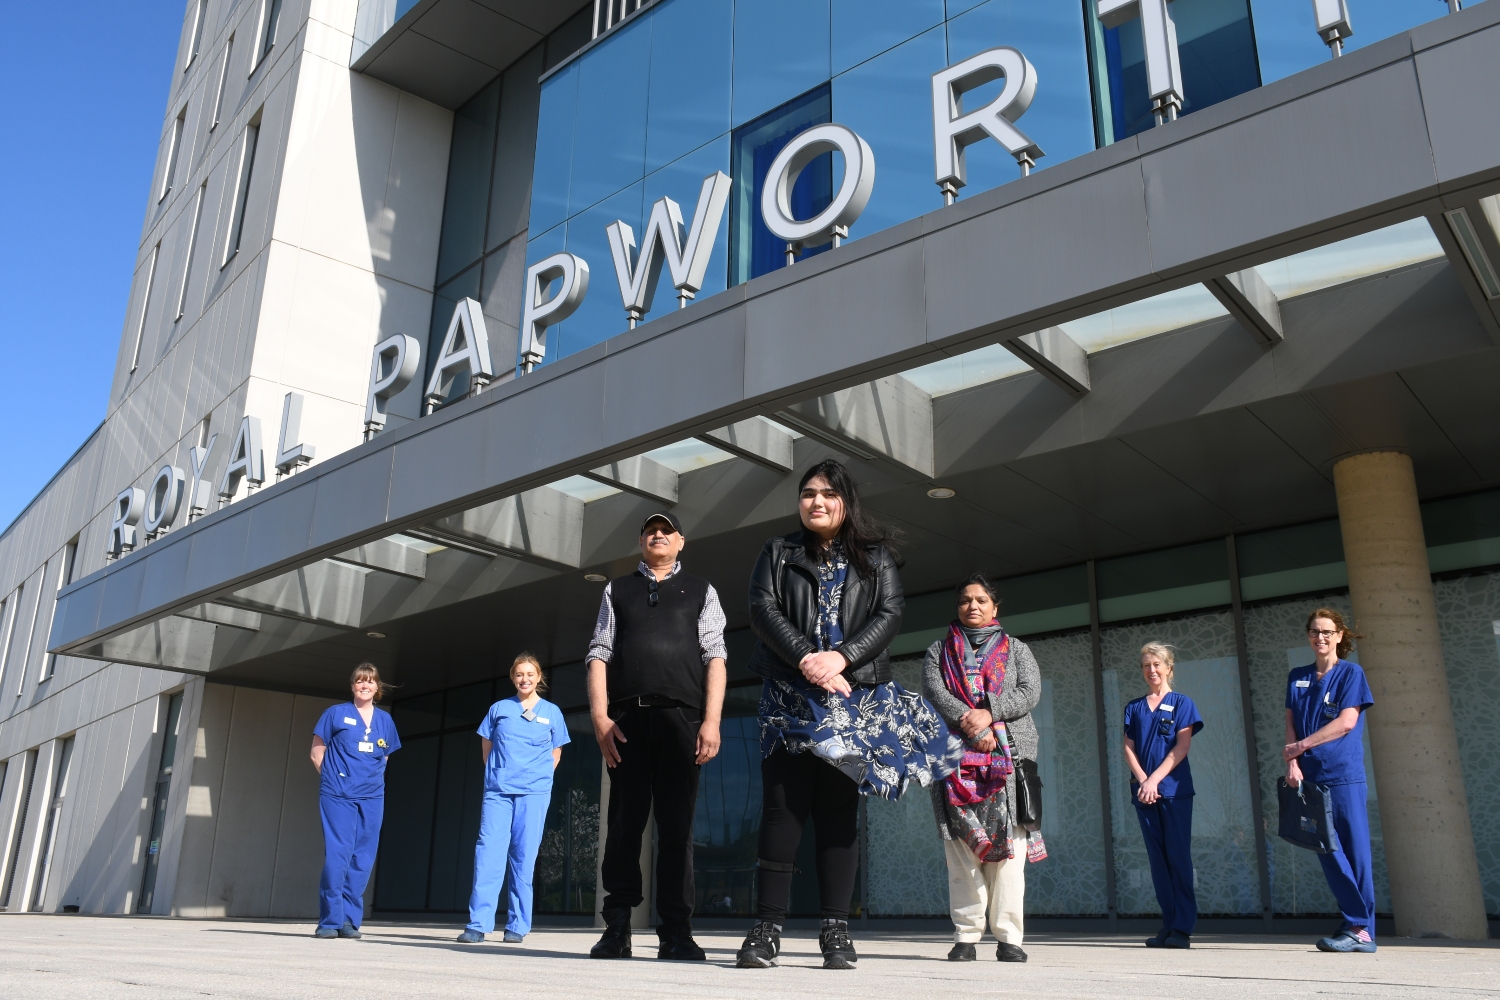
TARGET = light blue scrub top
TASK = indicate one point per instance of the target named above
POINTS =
(521, 748)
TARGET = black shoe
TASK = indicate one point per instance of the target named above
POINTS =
(1159, 941)
(1177, 939)
(761, 946)
(326, 932)
(838, 950)
(1009, 953)
(963, 951)
(349, 930)
(615, 943)
(679, 946)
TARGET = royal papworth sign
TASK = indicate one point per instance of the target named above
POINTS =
(555, 286)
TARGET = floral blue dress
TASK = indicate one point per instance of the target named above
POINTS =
(881, 736)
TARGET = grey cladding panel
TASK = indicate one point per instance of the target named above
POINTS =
(352, 497)
(686, 373)
(218, 551)
(477, 32)
(1359, 143)
(988, 276)
(282, 530)
(166, 571)
(1461, 96)
(430, 70)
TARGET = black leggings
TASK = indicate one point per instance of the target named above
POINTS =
(796, 786)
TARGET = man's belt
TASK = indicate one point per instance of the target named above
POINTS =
(649, 701)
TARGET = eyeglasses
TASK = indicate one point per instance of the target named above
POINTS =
(652, 597)
(1322, 633)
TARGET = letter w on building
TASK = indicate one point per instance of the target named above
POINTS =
(686, 258)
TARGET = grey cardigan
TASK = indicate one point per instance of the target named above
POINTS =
(1022, 690)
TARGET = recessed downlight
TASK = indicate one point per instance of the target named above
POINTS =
(942, 493)
(595, 577)
(375, 635)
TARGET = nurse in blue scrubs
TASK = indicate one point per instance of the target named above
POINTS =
(522, 740)
(1159, 730)
(1325, 705)
(350, 745)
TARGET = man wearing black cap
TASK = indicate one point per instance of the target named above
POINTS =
(656, 688)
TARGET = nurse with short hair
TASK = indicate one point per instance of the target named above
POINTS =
(1325, 708)
(522, 739)
(1159, 730)
(350, 745)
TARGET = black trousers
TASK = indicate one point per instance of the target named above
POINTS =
(658, 765)
(796, 786)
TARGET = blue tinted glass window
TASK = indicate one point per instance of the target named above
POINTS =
(780, 50)
(602, 313)
(865, 28)
(515, 149)
(681, 181)
(609, 138)
(691, 45)
(1288, 41)
(1216, 44)
(1051, 36)
(753, 251)
(888, 102)
(467, 202)
(554, 150)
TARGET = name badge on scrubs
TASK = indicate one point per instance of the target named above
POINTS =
(1304, 682)
(349, 722)
(542, 721)
(367, 748)
(1165, 708)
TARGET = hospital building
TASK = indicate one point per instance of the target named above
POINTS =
(1179, 321)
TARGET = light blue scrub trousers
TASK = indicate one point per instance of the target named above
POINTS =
(510, 834)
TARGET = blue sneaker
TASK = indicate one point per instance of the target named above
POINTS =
(470, 937)
(1177, 939)
(349, 930)
(1348, 940)
(511, 937)
(326, 932)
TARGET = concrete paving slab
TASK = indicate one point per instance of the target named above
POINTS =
(73, 957)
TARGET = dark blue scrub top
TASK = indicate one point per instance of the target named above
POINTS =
(1155, 733)
(354, 763)
(1314, 704)
(521, 749)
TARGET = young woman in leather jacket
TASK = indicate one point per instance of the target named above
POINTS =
(825, 603)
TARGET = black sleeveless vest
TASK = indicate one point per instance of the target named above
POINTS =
(656, 649)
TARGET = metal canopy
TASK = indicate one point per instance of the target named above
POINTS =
(813, 346)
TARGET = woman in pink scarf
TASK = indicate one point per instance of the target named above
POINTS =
(984, 683)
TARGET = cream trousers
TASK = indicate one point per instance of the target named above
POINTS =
(996, 889)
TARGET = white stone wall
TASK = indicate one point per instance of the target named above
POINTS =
(338, 251)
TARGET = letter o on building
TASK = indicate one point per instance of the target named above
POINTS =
(164, 498)
(848, 202)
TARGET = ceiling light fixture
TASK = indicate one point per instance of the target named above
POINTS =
(595, 577)
(942, 493)
(375, 635)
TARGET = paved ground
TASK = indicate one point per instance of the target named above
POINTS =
(81, 957)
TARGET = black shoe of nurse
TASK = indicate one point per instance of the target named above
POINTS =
(1160, 940)
(1177, 939)
(511, 937)
(761, 947)
(1009, 953)
(963, 951)
(469, 937)
(838, 949)
(679, 946)
(616, 940)
(349, 930)
(326, 932)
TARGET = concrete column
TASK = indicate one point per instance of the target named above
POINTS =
(640, 916)
(1424, 812)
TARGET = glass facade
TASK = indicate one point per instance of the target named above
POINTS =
(1096, 862)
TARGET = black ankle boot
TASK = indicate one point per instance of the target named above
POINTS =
(616, 940)
(838, 949)
(761, 946)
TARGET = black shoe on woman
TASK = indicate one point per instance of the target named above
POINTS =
(838, 949)
(761, 946)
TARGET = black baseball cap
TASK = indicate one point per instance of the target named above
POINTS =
(662, 515)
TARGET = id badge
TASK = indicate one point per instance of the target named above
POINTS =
(367, 748)
(1036, 847)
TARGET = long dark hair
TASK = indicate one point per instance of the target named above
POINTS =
(859, 529)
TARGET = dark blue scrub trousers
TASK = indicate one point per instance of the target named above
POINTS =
(510, 834)
(351, 833)
(1167, 826)
(1349, 870)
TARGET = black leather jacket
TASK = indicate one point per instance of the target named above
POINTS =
(784, 608)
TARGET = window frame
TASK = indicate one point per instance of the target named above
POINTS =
(249, 143)
(223, 82)
(174, 153)
(195, 43)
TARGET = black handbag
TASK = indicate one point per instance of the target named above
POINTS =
(1307, 816)
(1028, 790)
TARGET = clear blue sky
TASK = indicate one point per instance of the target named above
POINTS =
(85, 89)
